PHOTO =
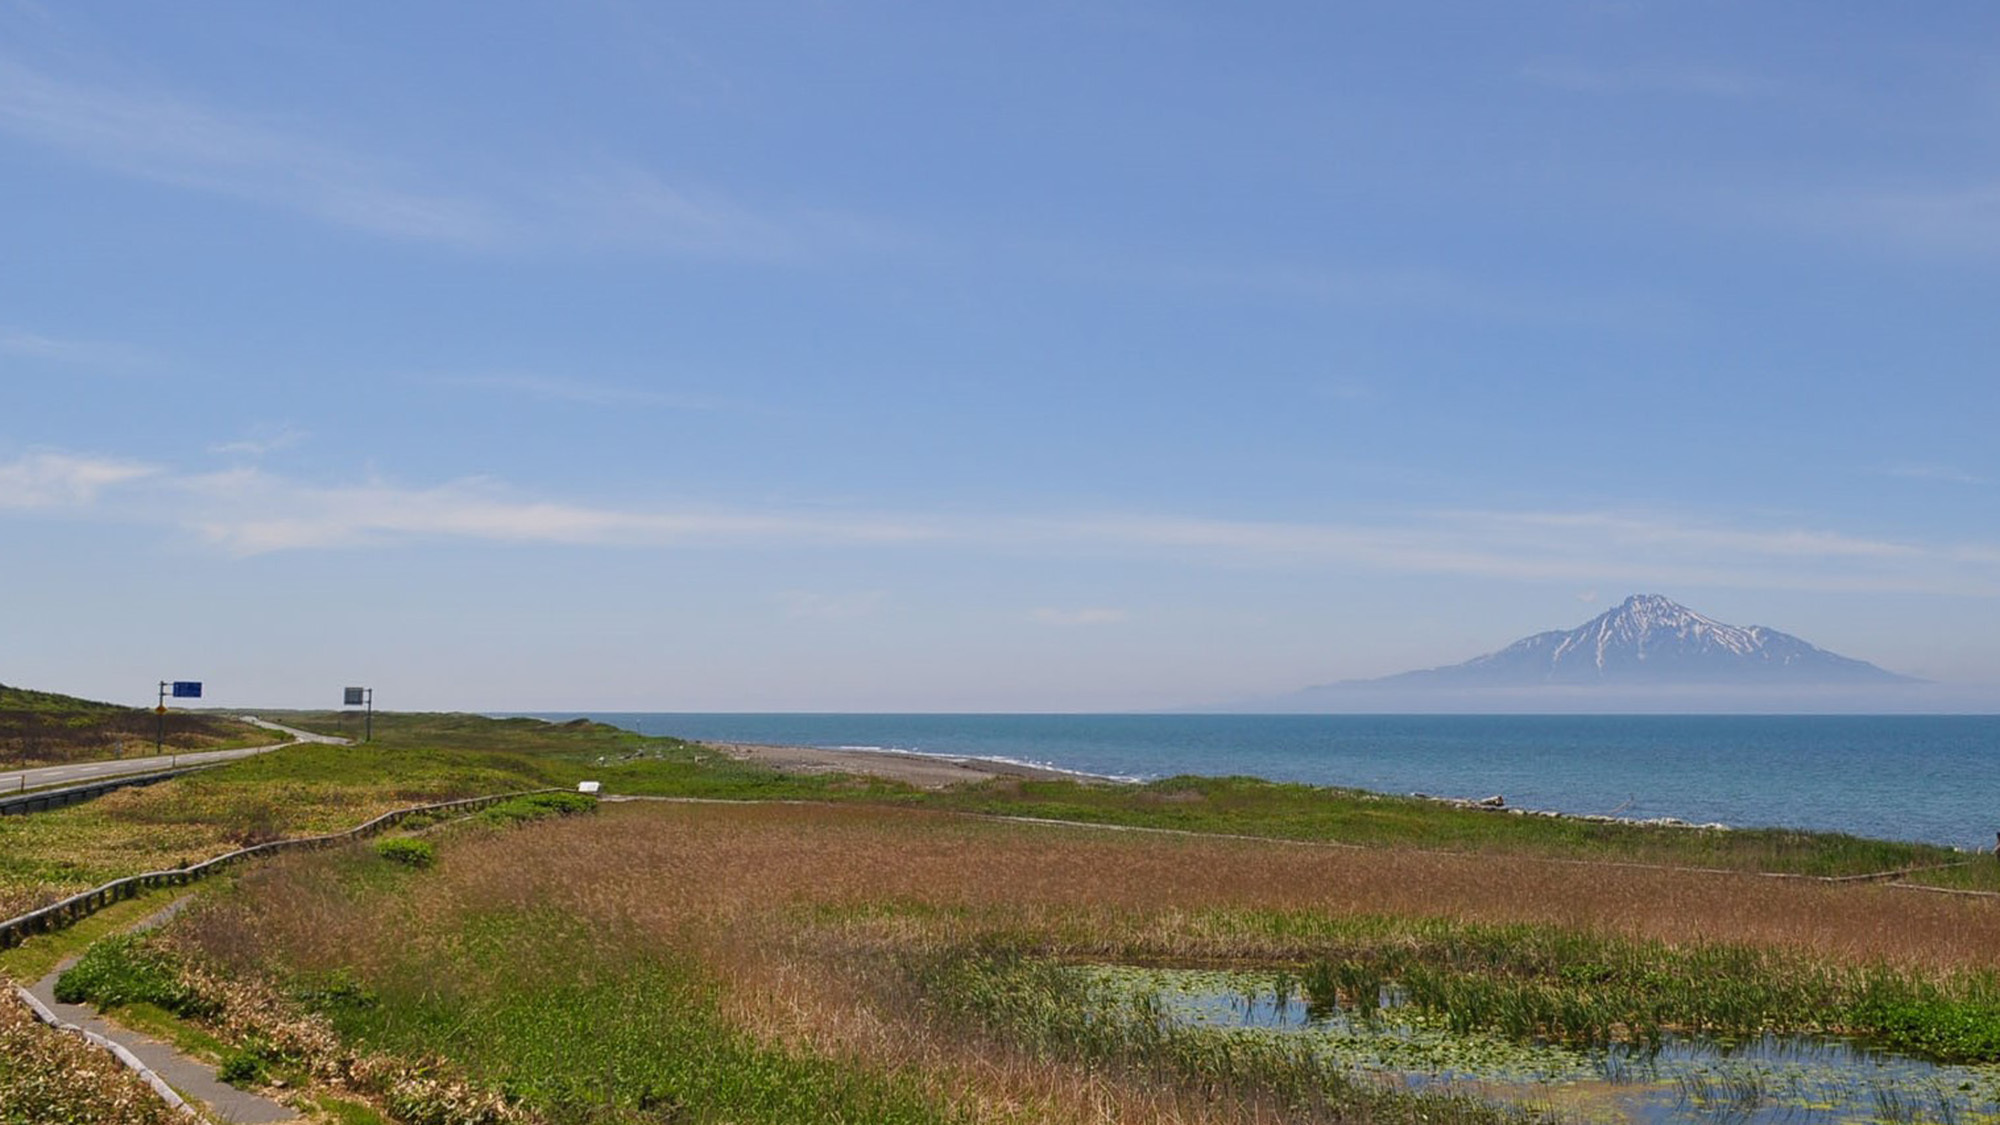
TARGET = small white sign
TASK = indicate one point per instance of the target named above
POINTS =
(586, 787)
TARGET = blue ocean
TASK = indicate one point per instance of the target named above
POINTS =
(1929, 778)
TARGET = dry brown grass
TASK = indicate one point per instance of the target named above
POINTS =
(665, 866)
(50, 1075)
(735, 884)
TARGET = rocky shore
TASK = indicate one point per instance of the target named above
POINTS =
(1498, 804)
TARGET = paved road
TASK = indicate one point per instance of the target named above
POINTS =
(90, 771)
(193, 1079)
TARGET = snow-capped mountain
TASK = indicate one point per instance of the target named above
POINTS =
(1649, 640)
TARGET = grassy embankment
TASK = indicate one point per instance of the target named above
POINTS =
(1255, 807)
(40, 728)
(778, 963)
(296, 791)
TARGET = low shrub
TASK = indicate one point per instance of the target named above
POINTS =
(538, 806)
(242, 1069)
(126, 970)
(408, 852)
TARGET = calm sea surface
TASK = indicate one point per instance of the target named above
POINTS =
(1932, 778)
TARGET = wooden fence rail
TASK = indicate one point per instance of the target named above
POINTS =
(58, 915)
(42, 800)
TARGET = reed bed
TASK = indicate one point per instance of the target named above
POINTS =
(806, 947)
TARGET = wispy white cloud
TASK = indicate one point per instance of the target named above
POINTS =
(155, 135)
(294, 166)
(1928, 471)
(1424, 289)
(633, 209)
(579, 391)
(1092, 615)
(250, 511)
(63, 480)
(261, 441)
(18, 341)
(1702, 81)
(1654, 532)
(1951, 221)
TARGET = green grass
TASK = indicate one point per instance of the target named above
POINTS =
(55, 704)
(410, 853)
(342, 1111)
(1251, 806)
(36, 957)
(569, 1021)
(581, 1035)
(300, 790)
(125, 969)
(537, 806)
(580, 750)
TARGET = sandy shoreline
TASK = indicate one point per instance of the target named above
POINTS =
(922, 770)
(928, 771)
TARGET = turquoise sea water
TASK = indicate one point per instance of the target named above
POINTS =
(1930, 778)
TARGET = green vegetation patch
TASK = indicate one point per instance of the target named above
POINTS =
(128, 969)
(1934, 1026)
(538, 806)
(301, 790)
(1542, 983)
(1073, 1013)
(419, 854)
(1255, 807)
(579, 1028)
(1755, 1077)
(35, 957)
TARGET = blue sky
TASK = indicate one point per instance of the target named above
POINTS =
(1032, 356)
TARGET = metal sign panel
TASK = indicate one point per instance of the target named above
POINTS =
(187, 689)
(353, 697)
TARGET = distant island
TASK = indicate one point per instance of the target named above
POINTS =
(1647, 653)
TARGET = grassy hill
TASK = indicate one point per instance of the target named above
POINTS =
(44, 727)
(53, 703)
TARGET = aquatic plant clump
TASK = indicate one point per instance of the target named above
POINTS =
(1073, 1012)
(1795, 1079)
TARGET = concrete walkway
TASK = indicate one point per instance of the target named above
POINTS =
(195, 1080)
(18, 780)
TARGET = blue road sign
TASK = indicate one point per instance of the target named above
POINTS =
(187, 689)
